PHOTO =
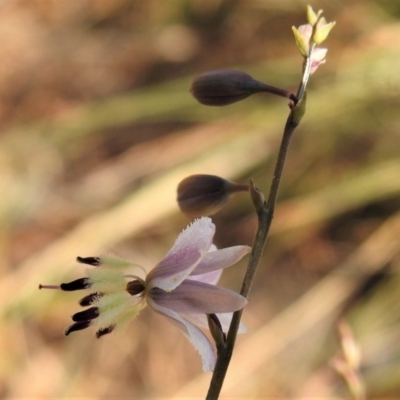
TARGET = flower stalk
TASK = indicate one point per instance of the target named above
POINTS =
(265, 212)
(265, 209)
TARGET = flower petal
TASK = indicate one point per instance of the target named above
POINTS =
(317, 58)
(319, 54)
(302, 36)
(218, 259)
(190, 247)
(322, 31)
(312, 16)
(211, 278)
(198, 339)
(193, 297)
(225, 319)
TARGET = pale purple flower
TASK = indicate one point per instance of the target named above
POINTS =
(182, 287)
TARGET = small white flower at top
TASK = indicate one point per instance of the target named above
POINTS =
(182, 287)
(310, 35)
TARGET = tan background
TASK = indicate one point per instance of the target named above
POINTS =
(98, 128)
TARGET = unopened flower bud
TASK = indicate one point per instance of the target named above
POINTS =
(224, 87)
(309, 36)
(322, 31)
(200, 195)
(302, 36)
(312, 16)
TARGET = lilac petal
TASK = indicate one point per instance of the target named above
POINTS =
(319, 54)
(225, 319)
(213, 247)
(210, 277)
(190, 247)
(193, 297)
(221, 259)
(198, 339)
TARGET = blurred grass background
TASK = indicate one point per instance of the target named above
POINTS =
(98, 128)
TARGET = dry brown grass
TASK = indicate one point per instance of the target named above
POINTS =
(99, 128)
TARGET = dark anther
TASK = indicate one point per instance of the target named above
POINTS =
(89, 299)
(134, 287)
(104, 331)
(89, 314)
(77, 326)
(81, 283)
(94, 261)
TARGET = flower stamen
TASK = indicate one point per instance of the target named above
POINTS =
(86, 315)
(104, 331)
(49, 286)
(182, 286)
(94, 261)
(77, 326)
(78, 284)
(90, 298)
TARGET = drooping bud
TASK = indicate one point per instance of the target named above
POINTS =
(200, 195)
(224, 87)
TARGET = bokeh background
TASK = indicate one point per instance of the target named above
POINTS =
(98, 128)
